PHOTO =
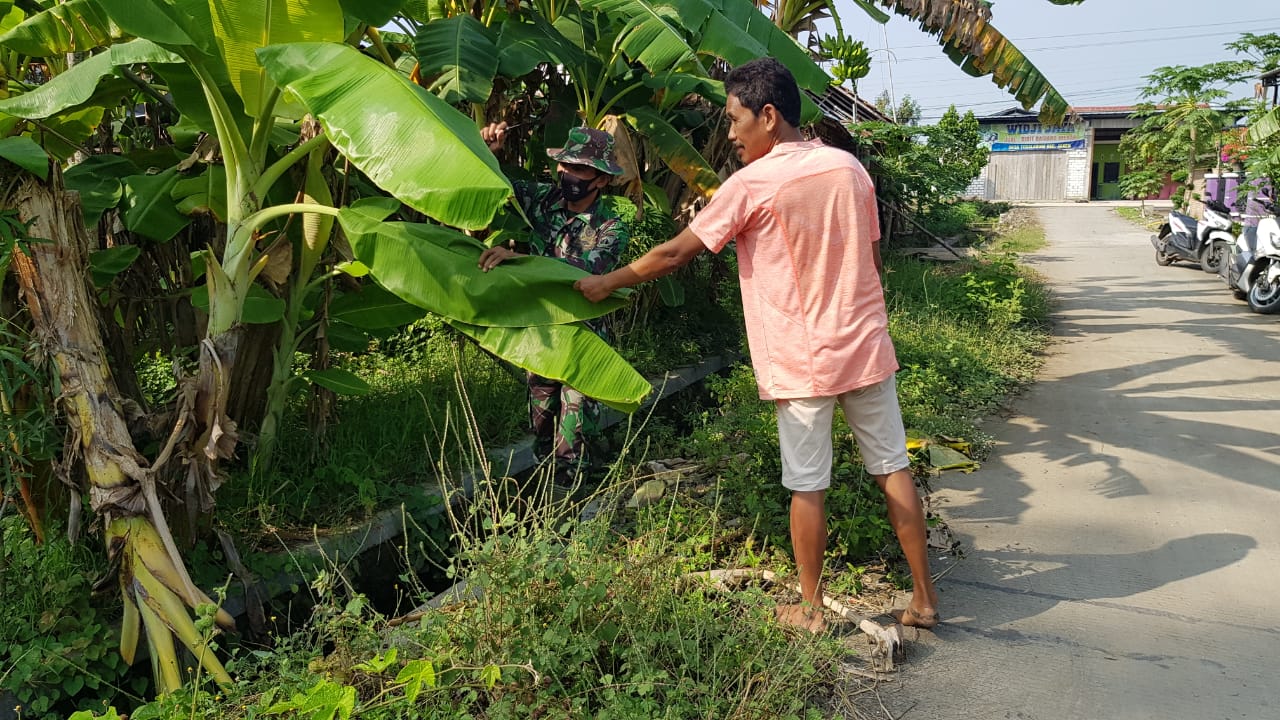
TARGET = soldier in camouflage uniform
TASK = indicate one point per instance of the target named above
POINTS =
(571, 223)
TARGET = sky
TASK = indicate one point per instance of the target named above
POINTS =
(1095, 53)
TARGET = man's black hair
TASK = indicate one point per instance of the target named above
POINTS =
(765, 81)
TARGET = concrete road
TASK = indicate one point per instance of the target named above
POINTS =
(1123, 541)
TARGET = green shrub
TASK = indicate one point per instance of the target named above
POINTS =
(59, 646)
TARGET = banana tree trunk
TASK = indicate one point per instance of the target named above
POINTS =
(52, 275)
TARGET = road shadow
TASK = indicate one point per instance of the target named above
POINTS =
(1039, 582)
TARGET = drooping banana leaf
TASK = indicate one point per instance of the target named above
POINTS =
(97, 179)
(149, 208)
(73, 26)
(26, 154)
(655, 33)
(674, 150)
(437, 269)
(461, 54)
(205, 193)
(570, 354)
(963, 28)
(742, 16)
(406, 140)
(874, 12)
(522, 46)
(174, 24)
(372, 12)
(243, 26)
(373, 308)
(675, 86)
(1265, 126)
(6, 22)
(77, 85)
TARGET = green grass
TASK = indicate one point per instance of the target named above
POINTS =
(589, 625)
(1151, 221)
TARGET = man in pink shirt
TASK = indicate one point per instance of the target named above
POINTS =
(804, 218)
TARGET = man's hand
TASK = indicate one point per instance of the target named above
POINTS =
(594, 287)
(494, 135)
(495, 256)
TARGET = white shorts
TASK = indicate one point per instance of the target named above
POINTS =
(804, 434)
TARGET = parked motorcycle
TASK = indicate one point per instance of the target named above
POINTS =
(1182, 237)
(1257, 270)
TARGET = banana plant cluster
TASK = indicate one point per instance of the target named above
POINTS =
(244, 74)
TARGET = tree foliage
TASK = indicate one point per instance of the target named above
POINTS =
(920, 167)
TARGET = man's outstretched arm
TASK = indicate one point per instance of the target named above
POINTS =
(662, 260)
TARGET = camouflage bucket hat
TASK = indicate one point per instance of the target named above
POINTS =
(588, 146)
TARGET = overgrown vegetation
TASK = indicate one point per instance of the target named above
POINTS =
(601, 619)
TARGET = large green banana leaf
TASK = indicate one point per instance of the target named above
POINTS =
(373, 308)
(149, 209)
(745, 15)
(97, 179)
(173, 23)
(406, 140)
(437, 269)
(672, 88)
(74, 26)
(26, 154)
(243, 26)
(570, 354)
(1265, 126)
(655, 33)
(967, 37)
(77, 85)
(373, 12)
(522, 46)
(460, 53)
(674, 150)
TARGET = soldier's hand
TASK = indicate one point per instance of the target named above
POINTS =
(495, 256)
(494, 135)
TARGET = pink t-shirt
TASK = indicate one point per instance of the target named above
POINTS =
(804, 216)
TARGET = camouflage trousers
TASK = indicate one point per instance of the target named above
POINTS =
(563, 421)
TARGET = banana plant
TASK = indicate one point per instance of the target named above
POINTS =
(240, 69)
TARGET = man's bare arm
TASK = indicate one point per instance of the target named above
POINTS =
(662, 260)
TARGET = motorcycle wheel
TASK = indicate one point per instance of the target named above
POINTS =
(1264, 296)
(1163, 259)
(1212, 256)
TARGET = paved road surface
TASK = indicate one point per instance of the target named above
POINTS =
(1124, 539)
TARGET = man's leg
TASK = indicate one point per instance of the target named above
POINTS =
(906, 514)
(579, 418)
(544, 409)
(876, 420)
(809, 539)
(804, 439)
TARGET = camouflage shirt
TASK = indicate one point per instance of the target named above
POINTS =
(593, 241)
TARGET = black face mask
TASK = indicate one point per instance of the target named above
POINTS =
(574, 189)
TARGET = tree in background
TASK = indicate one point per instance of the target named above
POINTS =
(1140, 185)
(907, 112)
(1182, 117)
(920, 169)
(1187, 108)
